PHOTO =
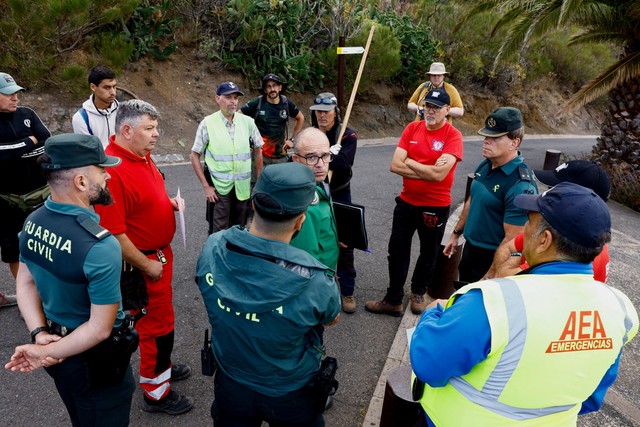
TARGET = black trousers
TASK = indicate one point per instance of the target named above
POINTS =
(430, 223)
(236, 405)
(475, 262)
(101, 406)
(346, 270)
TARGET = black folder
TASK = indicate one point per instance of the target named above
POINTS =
(351, 228)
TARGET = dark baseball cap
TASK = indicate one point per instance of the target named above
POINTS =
(227, 88)
(8, 85)
(325, 101)
(574, 211)
(581, 172)
(437, 97)
(290, 188)
(71, 150)
(501, 121)
(275, 78)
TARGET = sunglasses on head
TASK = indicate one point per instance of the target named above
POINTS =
(325, 101)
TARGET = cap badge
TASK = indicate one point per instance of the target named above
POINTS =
(562, 166)
(491, 122)
(435, 94)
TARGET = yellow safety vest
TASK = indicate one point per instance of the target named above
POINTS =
(229, 161)
(553, 338)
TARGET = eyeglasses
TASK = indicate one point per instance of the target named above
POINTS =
(325, 101)
(431, 107)
(313, 159)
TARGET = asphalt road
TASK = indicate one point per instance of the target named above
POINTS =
(360, 341)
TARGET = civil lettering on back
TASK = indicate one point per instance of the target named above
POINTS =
(44, 242)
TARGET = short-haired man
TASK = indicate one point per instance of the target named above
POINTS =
(325, 115)
(98, 113)
(489, 216)
(264, 317)
(509, 260)
(22, 186)
(227, 141)
(143, 220)
(437, 73)
(426, 158)
(69, 288)
(318, 235)
(531, 349)
(271, 112)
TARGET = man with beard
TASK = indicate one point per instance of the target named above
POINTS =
(22, 186)
(227, 140)
(98, 113)
(271, 112)
(143, 220)
(69, 286)
(426, 159)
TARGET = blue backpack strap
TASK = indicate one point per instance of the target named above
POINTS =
(85, 117)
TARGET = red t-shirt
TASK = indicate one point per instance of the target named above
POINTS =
(141, 207)
(600, 264)
(426, 146)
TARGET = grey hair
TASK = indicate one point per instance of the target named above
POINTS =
(131, 113)
(517, 133)
(307, 134)
(568, 250)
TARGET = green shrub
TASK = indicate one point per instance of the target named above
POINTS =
(383, 58)
(151, 30)
(417, 47)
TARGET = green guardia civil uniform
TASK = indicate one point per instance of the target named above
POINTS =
(264, 298)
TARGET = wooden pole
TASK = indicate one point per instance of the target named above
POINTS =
(355, 85)
(353, 93)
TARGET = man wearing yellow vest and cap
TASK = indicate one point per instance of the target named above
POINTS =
(226, 140)
(538, 348)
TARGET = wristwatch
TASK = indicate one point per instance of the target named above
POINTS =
(458, 232)
(36, 331)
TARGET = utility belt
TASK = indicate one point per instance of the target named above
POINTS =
(322, 385)
(108, 361)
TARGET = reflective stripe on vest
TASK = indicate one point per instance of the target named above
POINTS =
(497, 381)
(229, 161)
(518, 357)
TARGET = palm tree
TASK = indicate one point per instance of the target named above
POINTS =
(613, 21)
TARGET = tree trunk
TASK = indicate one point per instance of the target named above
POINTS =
(618, 148)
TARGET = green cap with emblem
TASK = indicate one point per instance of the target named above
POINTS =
(71, 150)
(501, 121)
(284, 189)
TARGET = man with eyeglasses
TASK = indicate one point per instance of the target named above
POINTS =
(490, 216)
(426, 159)
(319, 234)
(325, 115)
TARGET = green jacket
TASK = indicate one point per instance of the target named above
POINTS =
(319, 234)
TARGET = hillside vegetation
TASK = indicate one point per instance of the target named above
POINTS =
(48, 45)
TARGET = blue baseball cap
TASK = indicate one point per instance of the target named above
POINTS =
(227, 88)
(575, 212)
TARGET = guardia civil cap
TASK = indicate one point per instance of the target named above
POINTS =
(289, 187)
(71, 150)
(501, 121)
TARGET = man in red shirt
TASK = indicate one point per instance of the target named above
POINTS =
(426, 159)
(142, 219)
(509, 259)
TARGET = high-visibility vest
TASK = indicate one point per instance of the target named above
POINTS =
(229, 161)
(553, 338)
